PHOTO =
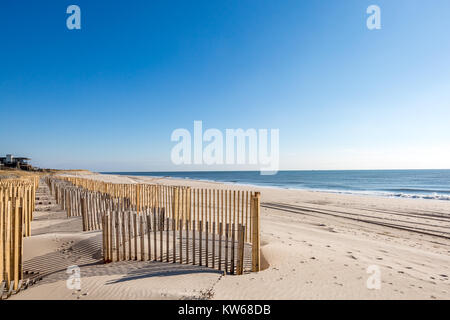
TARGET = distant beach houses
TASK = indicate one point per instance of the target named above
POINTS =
(15, 162)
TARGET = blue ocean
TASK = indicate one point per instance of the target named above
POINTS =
(423, 184)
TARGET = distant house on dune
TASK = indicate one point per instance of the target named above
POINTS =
(15, 162)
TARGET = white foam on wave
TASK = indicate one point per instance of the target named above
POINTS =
(433, 196)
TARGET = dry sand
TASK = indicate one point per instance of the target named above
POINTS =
(315, 246)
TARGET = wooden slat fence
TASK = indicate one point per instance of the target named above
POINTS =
(17, 203)
(152, 236)
(209, 221)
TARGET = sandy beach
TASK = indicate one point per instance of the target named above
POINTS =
(314, 245)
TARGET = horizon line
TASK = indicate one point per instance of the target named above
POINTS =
(284, 170)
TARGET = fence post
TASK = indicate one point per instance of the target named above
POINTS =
(255, 232)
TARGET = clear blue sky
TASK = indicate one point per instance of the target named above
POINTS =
(107, 97)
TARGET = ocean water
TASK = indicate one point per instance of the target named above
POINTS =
(424, 184)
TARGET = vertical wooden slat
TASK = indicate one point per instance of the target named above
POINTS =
(234, 207)
(203, 208)
(135, 234)
(149, 228)
(238, 215)
(117, 232)
(175, 204)
(246, 215)
(233, 242)
(161, 229)
(167, 237)
(200, 235)
(180, 226)
(227, 206)
(220, 244)
(193, 241)
(223, 208)
(198, 205)
(241, 238)
(242, 208)
(250, 218)
(214, 245)
(189, 204)
(130, 235)
(19, 238)
(226, 246)
(109, 234)
(141, 220)
(187, 241)
(208, 229)
(124, 235)
(155, 230)
(174, 247)
(105, 255)
(218, 211)
(206, 243)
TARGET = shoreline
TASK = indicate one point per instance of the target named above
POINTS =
(362, 193)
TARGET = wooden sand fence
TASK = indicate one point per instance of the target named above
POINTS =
(210, 227)
(17, 203)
